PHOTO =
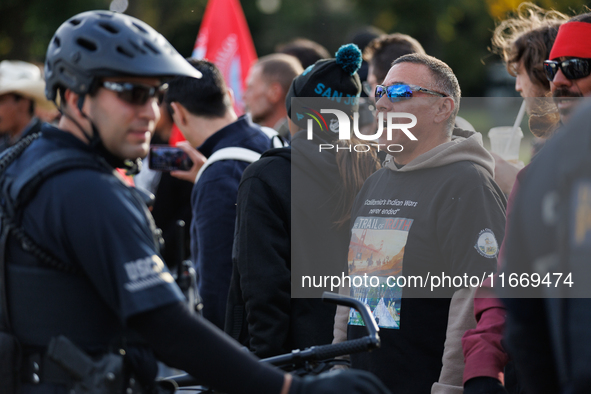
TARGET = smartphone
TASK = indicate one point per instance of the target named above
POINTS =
(168, 158)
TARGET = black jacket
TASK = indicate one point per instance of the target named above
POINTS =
(33, 127)
(261, 313)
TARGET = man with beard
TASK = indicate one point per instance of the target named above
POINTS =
(568, 68)
(547, 333)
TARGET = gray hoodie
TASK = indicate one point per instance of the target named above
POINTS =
(464, 146)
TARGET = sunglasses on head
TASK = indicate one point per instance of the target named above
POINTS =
(572, 68)
(402, 92)
(136, 94)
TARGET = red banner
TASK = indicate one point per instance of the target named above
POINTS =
(224, 39)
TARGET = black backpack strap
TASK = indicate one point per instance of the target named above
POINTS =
(17, 192)
(24, 187)
(5, 325)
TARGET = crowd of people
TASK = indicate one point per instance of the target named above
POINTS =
(92, 252)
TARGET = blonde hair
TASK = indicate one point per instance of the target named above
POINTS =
(527, 37)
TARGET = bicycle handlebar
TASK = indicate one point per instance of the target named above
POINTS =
(319, 353)
(323, 352)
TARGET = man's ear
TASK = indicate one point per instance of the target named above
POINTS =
(231, 96)
(180, 115)
(445, 107)
(275, 93)
(70, 102)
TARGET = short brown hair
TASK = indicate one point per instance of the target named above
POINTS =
(307, 51)
(383, 50)
(528, 37)
(444, 79)
(281, 68)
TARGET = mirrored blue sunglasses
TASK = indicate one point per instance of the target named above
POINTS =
(400, 92)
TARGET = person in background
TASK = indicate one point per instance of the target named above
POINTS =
(282, 230)
(523, 42)
(307, 51)
(362, 38)
(381, 52)
(266, 86)
(202, 110)
(22, 91)
(547, 333)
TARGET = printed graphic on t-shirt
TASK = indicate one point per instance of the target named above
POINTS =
(376, 253)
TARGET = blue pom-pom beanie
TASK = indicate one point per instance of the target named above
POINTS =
(349, 58)
(330, 78)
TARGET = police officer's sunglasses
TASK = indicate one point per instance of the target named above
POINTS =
(402, 92)
(136, 94)
(572, 68)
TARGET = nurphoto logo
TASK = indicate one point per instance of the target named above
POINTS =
(343, 127)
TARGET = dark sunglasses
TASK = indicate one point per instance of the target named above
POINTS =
(572, 68)
(136, 94)
(402, 92)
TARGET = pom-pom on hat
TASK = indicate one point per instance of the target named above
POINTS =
(334, 79)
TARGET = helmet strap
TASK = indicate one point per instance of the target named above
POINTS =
(95, 139)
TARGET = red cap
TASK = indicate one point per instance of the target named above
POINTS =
(573, 40)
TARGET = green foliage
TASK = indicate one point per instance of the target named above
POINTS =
(456, 31)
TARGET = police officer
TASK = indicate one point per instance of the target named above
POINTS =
(89, 298)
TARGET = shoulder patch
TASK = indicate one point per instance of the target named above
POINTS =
(334, 125)
(487, 244)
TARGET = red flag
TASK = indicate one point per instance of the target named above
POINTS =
(225, 40)
(175, 136)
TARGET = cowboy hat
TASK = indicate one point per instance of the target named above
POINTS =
(24, 79)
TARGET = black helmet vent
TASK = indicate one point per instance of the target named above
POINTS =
(137, 47)
(67, 76)
(140, 28)
(96, 44)
(151, 48)
(84, 43)
(125, 52)
(109, 27)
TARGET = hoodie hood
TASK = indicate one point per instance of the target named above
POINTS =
(464, 146)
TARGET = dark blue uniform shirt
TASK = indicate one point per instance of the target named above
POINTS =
(92, 219)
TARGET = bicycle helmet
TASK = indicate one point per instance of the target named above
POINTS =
(97, 44)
